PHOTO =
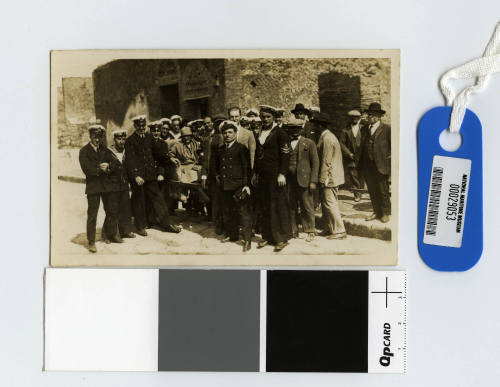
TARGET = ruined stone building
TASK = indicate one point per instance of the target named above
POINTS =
(197, 87)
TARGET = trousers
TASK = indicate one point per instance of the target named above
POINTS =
(331, 210)
(236, 214)
(301, 201)
(149, 191)
(275, 215)
(378, 188)
(111, 210)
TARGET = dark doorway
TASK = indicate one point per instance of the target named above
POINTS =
(169, 100)
(197, 108)
(338, 93)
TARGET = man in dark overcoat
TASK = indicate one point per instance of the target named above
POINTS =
(95, 159)
(350, 142)
(376, 162)
(142, 173)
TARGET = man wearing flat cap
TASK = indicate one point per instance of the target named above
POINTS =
(350, 141)
(119, 180)
(95, 159)
(271, 167)
(301, 181)
(142, 173)
(376, 162)
(309, 130)
(232, 168)
(331, 176)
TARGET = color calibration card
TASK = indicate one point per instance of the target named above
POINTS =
(225, 320)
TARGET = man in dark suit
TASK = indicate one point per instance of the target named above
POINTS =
(350, 142)
(233, 174)
(309, 129)
(143, 178)
(301, 181)
(271, 167)
(119, 181)
(95, 159)
(376, 162)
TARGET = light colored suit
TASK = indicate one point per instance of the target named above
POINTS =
(331, 175)
(246, 137)
(331, 172)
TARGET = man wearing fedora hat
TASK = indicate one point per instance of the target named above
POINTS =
(331, 176)
(302, 113)
(142, 173)
(350, 141)
(95, 160)
(376, 162)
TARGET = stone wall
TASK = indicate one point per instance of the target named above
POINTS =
(75, 111)
(125, 88)
(336, 85)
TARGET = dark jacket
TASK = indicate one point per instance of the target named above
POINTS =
(97, 181)
(311, 131)
(210, 145)
(118, 173)
(377, 148)
(140, 160)
(233, 166)
(272, 158)
(350, 146)
(307, 162)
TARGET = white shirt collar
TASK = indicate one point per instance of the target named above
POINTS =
(230, 144)
(93, 147)
(374, 127)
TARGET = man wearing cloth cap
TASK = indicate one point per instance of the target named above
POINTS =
(350, 141)
(309, 129)
(301, 181)
(243, 136)
(331, 176)
(174, 134)
(232, 168)
(95, 159)
(376, 162)
(271, 167)
(119, 179)
(143, 175)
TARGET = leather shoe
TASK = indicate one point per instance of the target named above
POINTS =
(173, 228)
(247, 246)
(107, 241)
(371, 217)
(262, 244)
(92, 248)
(117, 239)
(280, 246)
(310, 237)
(129, 235)
(325, 233)
(142, 232)
(385, 218)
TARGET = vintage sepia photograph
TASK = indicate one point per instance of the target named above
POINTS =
(224, 157)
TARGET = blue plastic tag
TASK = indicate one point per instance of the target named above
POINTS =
(450, 193)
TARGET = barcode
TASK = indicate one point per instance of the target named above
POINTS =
(434, 198)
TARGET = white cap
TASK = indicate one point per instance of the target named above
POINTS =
(140, 117)
(354, 113)
(118, 131)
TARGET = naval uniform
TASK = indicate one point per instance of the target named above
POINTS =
(140, 162)
(98, 186)
(272, 158)
(232, 165)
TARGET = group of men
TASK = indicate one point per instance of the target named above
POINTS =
(250, 174)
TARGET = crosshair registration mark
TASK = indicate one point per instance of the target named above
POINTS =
(386, 291)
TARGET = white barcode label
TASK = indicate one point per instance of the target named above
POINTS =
(444, 223)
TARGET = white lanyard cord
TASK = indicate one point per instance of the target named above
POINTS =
(479, 68)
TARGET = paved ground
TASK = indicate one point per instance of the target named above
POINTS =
(198, 236)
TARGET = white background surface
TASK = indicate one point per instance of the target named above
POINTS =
(454, 328)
